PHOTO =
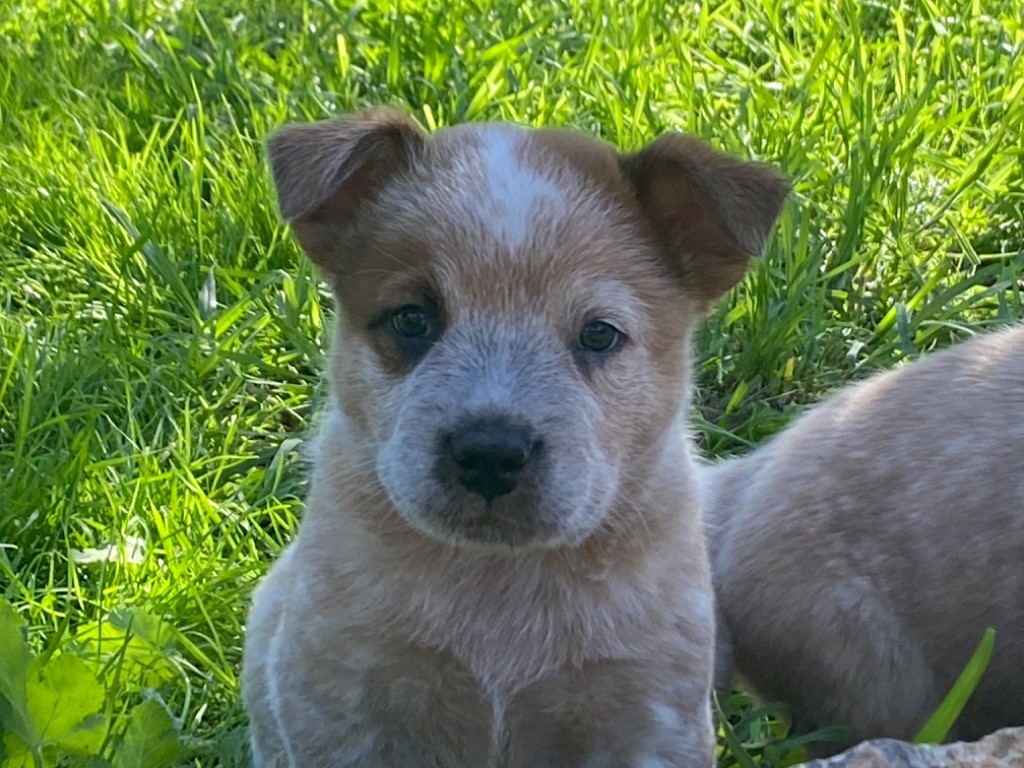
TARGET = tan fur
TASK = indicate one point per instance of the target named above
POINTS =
(570, 622)
(860, 555)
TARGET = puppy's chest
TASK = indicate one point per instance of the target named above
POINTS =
(510, 632)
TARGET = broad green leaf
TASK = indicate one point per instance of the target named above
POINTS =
(143, 625)
(16, 753)
(940, 723)
(151, 740)
(15, 660)
(65, 700)
(139, 661)
(64, 706)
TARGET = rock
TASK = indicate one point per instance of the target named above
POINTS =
(1003, 749)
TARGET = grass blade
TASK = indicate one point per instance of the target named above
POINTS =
(940, 723)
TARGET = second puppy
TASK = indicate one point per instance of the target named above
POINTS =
(861, 554)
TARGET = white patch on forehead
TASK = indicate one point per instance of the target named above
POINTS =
(514, 192)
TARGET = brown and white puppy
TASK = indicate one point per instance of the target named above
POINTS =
(502, 560)
(861, 554)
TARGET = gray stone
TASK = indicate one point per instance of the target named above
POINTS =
(1003, 749)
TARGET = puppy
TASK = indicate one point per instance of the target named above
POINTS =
(502, 560)
(860, 555)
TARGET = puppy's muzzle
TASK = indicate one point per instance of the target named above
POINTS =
(488, 456)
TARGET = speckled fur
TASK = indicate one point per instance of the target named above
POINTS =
(860, 555)
(398, 629)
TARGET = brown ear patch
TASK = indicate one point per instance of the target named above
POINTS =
(325, 171)
(712, 212)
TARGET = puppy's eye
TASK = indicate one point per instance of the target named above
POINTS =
(599, 336)
(412, 322)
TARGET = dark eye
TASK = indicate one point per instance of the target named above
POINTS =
(412, 322)
(599, 336)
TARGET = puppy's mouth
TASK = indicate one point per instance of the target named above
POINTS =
(526, 519)
(492, 529)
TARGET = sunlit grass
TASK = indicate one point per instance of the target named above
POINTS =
(161, 337)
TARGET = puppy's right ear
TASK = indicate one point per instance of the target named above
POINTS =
(325, 172)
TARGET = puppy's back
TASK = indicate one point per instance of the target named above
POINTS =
(861, 554)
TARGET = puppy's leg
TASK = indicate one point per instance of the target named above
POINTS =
(360, 701)
(904, 689)
(613, 715)
(853, 658)
(262, 627)
(723, 654)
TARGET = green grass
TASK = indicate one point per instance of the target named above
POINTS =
(161, 337)
(945, 716)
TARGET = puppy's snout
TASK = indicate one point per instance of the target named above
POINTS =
(488, 456)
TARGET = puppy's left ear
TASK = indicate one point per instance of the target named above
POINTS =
(711, 212)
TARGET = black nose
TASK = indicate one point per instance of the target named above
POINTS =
(488, 455)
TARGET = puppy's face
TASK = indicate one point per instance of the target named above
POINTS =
(514, 309)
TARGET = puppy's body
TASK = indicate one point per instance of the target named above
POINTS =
(502, 560)
(860, 555)
(394, 649)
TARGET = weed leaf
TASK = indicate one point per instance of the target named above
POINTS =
(64, 707)
(151, 740)
(15, 659)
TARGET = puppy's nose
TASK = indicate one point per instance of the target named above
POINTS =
(489, 455)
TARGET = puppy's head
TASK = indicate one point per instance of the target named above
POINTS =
(514, 308)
